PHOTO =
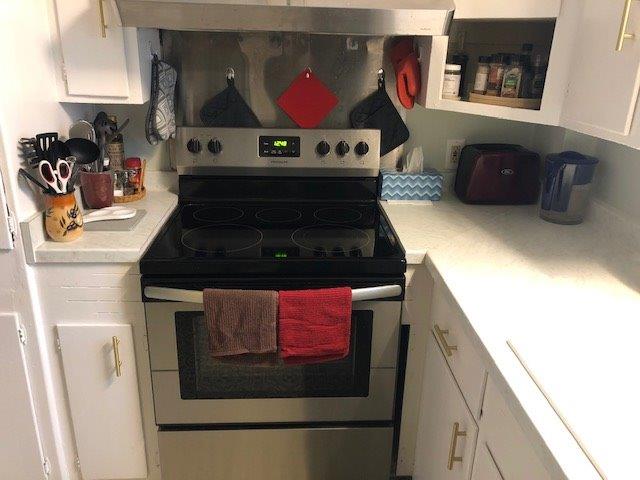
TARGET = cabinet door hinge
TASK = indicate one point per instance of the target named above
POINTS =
(13, 226)
(58, 344)
(77, 462)
(22, 334)
(46, 466)
(63, 70)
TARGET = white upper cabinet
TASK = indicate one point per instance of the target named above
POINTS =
(603, 88)
(499, 26)
(494, 9)
(99, 61)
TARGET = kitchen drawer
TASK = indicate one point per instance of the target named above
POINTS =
(277, 454)
(463, 359)
(501, 435)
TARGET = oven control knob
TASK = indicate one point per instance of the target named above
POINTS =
(214, 146)
(194, 146)
(342, 148)
(323, 148)
(362, 148)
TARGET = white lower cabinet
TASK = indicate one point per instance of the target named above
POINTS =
(484, 466)
(102, 386)
(505, 444)
(447, 431)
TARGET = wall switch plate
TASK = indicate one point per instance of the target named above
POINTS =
(454, 149)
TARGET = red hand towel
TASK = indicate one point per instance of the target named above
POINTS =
(314, 325)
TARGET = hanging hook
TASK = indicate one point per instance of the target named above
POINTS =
(381, 82)
(307, 72)
(231, 75)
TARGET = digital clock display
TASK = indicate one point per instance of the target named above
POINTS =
(272, 146)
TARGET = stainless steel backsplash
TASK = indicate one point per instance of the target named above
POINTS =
(266, 63)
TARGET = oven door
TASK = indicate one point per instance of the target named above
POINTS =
(191, 387)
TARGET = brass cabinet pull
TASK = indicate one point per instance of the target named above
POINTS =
(116, 355)
(454, 445)
(448, 349)
(623, 35)
(103, 24)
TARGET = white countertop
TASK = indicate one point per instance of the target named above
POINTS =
(565, 298)
(101, 246)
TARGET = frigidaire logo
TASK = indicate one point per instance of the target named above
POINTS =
(506, 171)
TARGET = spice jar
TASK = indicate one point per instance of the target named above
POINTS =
(482, 75)
(512, 79)
(496, 74)
(451, 84)
(134, 165)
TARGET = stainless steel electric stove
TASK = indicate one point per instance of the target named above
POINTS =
(275, 209)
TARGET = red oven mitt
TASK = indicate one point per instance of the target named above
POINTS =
(407, 68)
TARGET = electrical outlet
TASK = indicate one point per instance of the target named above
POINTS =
(454, 149)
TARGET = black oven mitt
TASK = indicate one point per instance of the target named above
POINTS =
(228, 109)
(378, 112)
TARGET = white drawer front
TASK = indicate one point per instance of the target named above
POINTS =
(461, 355)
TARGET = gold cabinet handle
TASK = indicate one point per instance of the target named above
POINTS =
(448, 349)
(103, 23)
(454, 445)
(622, 34)
(116, 355)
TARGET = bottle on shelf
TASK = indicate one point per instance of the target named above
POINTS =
(496, 74)
(512, 78)
(539, 75)
(482, 75)
(527, 70)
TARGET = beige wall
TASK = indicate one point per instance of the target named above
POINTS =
(617, 179)
(432, 128)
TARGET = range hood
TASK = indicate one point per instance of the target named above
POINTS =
(342, 17)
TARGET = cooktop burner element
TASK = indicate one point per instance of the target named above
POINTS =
(337, 215)
(222, 240)
(279, 215)
(331, 240)
(218, 214)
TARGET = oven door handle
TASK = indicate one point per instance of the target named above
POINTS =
(195, 296)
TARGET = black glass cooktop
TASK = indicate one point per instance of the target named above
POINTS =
(292, 237)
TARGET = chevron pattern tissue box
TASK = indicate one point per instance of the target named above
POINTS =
(411, 186)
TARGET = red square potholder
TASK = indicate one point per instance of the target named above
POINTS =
(307, 100)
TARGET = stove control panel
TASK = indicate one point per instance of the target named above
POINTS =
(277, 152)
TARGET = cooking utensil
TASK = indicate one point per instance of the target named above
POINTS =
(228, 108)
(31, 178)
(85, 151)
(58, 177)
(44, 141)
(104, 128)
(82, 129)
(378, 112)
(122, 126)
(49, 176)
(57, 150)
(63, 172)
(307, 101)
(110, 213)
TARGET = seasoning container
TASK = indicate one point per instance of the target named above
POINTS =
(496, 74)
(482, 75)
(539, 75)
(527, 70)
(119, 179)
(512, 78)
(451, 84)
(115, 148)
(134, 165)
(461, 59)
